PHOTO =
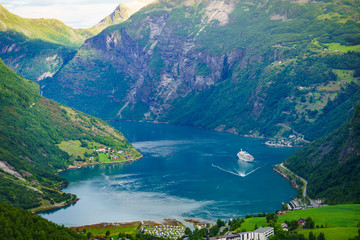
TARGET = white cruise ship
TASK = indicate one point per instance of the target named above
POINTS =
(245, 156)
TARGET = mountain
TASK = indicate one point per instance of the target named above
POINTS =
(331, 164)
(49, 30)
(38, 48)
(121, 13)
(258, 68)
(39, 137)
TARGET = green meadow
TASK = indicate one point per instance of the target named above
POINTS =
(73, 147)
(343, 48)
(338, 221)
(132, 230)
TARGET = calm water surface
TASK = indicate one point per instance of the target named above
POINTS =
(185, 172)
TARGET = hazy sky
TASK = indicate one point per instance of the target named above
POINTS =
(75, 13)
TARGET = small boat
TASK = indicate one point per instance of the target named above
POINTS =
(245, 156)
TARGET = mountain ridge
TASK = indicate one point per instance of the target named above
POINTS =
(268, 75)
(38, 48)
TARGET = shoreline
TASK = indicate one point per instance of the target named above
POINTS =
(209, 129)
(99, 163)
(47, 208)
(59, 206)
(139, 223)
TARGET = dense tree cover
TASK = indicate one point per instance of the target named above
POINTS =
(33, 57)
(30, 128)
(242, 75)
(271, 217)
(18, 195)
(331, 164)
(17, 223)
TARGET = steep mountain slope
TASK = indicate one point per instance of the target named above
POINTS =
(259, 68)
(38, 48)
(49, 30)
(331, 164)
(32, 128)
(33, 59)
(121, 13)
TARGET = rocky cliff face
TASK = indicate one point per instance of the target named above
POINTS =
(33, 59)
(257, 68)
(155, 64)
(37, 48)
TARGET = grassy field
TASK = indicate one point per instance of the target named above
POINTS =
(341, 220)
(114, 231)
(343, 48)
(73, 147)
(344, 74)
(335, 233)
(103, 158)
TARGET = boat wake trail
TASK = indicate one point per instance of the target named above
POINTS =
(240, 174)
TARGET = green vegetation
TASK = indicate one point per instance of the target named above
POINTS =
(202, 69)
(74, 148)
(331, 164)
(262, 71)
(112, 230)
(343, 48)
(31, 129)
(49, 30)
(17, 223)
(338, 222)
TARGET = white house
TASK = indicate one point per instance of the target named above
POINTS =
(262, 233)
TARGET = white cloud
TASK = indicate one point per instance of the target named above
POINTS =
(75, 13)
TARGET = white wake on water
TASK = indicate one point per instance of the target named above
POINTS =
(240, 174)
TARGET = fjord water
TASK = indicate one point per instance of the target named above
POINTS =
(185, 172)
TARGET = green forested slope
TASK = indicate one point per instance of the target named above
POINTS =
(17, 223)
(331, 164)
(49, 30)
(258, 68)
(30, 128)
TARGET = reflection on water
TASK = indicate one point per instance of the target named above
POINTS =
(185, 172)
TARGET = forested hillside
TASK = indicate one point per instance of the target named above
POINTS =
(31, 129)
(331, 164)
(38, 48)
(260, 68)
(17, 223)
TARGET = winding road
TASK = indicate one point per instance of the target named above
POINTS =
(304, 192)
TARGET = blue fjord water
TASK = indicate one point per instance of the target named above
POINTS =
(185, 172)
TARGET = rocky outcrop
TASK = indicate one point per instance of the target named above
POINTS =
(167, 67)
(228, 65)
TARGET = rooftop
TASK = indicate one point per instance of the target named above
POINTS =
(263, 229)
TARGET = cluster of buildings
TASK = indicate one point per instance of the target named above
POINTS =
(107, 150)
(164, 231)
(113, 154)
(262, 233)
(328, 49)
(291, 141)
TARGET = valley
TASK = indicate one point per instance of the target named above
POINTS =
(140, 117)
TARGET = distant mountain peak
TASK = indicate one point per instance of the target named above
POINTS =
(121, 13)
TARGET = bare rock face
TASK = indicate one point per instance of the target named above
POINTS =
(228, 65)
(128, 73)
